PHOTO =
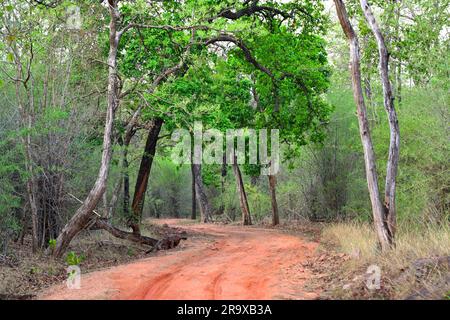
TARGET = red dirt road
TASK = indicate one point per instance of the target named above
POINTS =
(239, 263)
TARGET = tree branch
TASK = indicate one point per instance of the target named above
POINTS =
(247, 53)
(162, 27)
(248, 11)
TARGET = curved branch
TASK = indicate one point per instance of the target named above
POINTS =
(253, 8)
(251, 59)
(247, 53)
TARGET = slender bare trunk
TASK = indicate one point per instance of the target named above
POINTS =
(31, 192)
(144, 174)
(31, 187)
(194, 197)
(369, 155)
(398, 68)
(246, 218)
(223, 173)
(84, 213)
(273, 197)
(205, 209)
(394, 144)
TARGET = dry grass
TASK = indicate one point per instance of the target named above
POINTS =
(413, 243)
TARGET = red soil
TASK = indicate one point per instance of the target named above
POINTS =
(240, 263)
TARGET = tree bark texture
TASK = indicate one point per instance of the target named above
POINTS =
(84, 213)
(273, 198)
(246, 217)
(394, 143)
(144, 174)
(204, 206)
(382, 232)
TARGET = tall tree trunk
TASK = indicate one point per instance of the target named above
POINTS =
(394, 144)
(223, 173)
(32, 195)
(144, 174)
(398, 71)
(246, 218)
(273, 197)
(382, 231)
(126, 183)
(194, 197)
(205, 209)
(84, 213)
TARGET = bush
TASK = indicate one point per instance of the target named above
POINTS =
(72, 259)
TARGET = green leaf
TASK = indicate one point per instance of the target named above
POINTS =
(10, 57)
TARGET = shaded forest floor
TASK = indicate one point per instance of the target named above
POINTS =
(296, 260)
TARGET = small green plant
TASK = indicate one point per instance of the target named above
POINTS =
(52, 244)
(51, 271)
(73, 259)
(130, 252)
(35, 270)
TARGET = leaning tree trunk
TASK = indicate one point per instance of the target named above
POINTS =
(381, 229)
(394, 144)
(273, 197)
(246, 218)
(144, 174)
(205, 208)
(84, 213)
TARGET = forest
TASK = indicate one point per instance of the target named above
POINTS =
(238, 149)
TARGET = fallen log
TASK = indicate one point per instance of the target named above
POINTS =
(432, 262)
(116, 232)
(168, 242)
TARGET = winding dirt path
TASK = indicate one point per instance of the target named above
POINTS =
(233, 263)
